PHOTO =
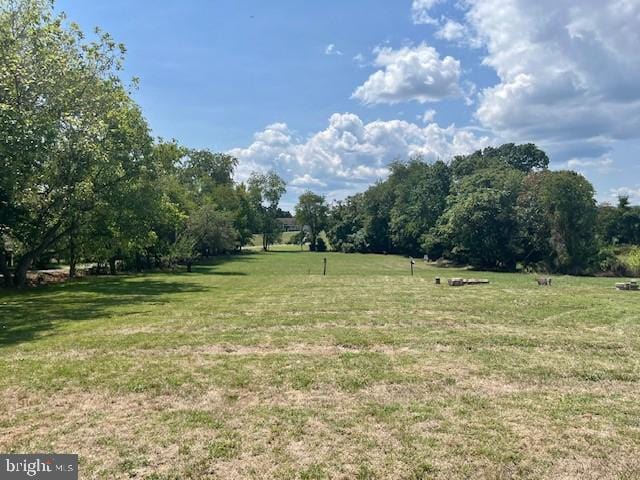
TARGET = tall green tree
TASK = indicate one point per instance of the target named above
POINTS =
(311, 211)
(266, 190)
(421, 192)
(525, 157)
(345, 226)
(564, 230)
(212, 231)
(480, 223)
(203, 171)
(70, 130)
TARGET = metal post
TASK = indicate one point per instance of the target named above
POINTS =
(324, 272)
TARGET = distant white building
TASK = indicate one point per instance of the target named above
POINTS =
(289, 224)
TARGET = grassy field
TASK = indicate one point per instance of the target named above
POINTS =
(257, 366)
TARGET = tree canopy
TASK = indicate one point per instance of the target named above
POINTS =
(311, 211)
(80, 175)
(497, 208)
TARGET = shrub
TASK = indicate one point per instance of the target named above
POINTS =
(632, 261)
(297, 238)
(611, 264)
(321, 245)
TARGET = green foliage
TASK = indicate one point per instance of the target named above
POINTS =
(203, 171)
(70, 131)
(345, 221)
(496, 208)
(320, 245)
(421, 192)
(80, 176)
(611, 263)
(297, 238)
(265, 191)
(567, 214)
(311, 212)
(480, 223)
(632, 260)
(526, 158)
(620, 224)
(212, 231)
(184, 250)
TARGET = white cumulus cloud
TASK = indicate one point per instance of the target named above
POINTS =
(415, 73)
(429, 116)
(568, 71)
(307, 180)
(451, 31)
(349, 154)
(420, 12)
(331, 49)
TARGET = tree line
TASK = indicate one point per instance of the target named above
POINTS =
(81, 178)
(497, 208)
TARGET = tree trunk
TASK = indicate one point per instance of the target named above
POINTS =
(189, 267)
(22, 266)
(20, 275)
(5, 271)
(73, 253)
(112, 266)
(72, 257)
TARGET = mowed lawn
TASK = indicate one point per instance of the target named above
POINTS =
(257, 366)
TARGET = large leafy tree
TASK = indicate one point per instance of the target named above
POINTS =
(525, 157)
(203, 171)
(565, 214)
(619, 224)
(70, 129)
(376, 208)
(480, 223)
(345, 226)
(421, 192)
(311, 211)
(212, 231)
(266, 190)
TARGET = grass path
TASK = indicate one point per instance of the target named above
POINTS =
(257, 366)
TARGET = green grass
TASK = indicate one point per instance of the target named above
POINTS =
(284, 239)
(257, 366)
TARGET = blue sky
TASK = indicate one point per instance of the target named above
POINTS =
(328, 93)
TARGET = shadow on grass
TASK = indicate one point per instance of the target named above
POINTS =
(27, 314)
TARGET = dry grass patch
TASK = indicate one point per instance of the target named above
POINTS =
(366, 373)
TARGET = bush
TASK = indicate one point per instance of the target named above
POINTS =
(297, 238)
(321, 245)
(632, 261)
(347, 247)
(356, 242)
(612, 264)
